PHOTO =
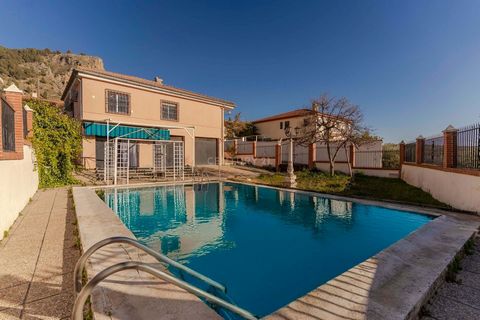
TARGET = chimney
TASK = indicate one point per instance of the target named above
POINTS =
(158, 80)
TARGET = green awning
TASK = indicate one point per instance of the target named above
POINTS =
(127, 132)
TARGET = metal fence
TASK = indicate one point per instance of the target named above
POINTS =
(300, 154)
(229, 145)
(266, 149)
(410, 151)
(433, 150)
(385, 159)
(468, 147)
(244, 147)
(368, 159)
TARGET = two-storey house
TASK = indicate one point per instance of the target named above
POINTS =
(112, 105)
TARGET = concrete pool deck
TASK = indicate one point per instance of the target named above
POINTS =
(37, 259)
(394, 284)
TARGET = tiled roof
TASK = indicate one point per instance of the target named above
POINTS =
(285, 115)
(141, 81)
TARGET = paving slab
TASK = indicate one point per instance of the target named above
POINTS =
(461, 293)
(447, 309)
(10, 314)
(13, 296)
(470, 279)
(460, 300)
(54, 307)
(37, 259)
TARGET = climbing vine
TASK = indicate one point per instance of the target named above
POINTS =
(57, 143)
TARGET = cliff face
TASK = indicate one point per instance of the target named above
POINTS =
(44, 72)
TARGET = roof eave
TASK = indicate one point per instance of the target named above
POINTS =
(221, 103)
(69, 83)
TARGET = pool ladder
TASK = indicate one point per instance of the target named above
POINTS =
(203, 175)
(83, 292)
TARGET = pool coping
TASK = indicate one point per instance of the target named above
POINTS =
(129, 294)
(412, 267)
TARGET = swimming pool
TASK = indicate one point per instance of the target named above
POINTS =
(268, 246)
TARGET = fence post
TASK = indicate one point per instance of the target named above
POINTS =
(254, 146)
(402, 152)
(419, 149)
(312, 155)
(450, 147)
(235, 147)
(352, 155)
(278, 156)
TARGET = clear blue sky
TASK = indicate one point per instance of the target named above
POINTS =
(412, 66)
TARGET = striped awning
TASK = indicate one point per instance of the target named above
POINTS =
(127, 132)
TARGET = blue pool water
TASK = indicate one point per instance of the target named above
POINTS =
(266, 245)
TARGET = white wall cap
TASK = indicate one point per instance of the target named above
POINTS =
(13, 88)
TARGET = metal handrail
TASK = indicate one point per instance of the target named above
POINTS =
(203, 176)
(206, 175)
(160, 257)
(77, 313)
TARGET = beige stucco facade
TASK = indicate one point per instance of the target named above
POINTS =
(198, 116)
(272, 130)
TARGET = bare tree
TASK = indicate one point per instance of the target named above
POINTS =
(335, 123)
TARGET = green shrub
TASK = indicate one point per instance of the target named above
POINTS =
(57, 142)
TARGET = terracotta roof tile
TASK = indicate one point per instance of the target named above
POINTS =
(285, 115)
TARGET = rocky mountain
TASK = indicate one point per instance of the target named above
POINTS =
(42, 72)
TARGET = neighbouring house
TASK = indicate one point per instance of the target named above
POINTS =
(18, 175)
(273, 149)
(273, 127)
(156, 125)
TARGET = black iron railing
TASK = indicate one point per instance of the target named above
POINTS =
(410, 151)
(433, 150)
(468, 147)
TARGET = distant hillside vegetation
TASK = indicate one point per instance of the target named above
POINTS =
(48, 70)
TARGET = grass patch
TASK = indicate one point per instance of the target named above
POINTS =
(100, 193)
(452, 271)
(377, 188)
(390, 189)
(469, 247)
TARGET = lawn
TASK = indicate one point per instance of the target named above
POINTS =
(362, 186)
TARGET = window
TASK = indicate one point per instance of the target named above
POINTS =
(8, 127)
(306, 122)
(287, 124)
(281, 125)
(118, 102)
(169, 111)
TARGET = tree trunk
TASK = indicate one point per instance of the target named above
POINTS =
(350, 170)
(330, 160)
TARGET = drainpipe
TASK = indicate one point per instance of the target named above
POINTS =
(222, 139)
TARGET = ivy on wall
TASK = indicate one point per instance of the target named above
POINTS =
(57, 143)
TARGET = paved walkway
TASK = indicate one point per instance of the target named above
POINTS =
(459, 300)
(37, 260)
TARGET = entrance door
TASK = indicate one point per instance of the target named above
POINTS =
(205, 151)
(133, 154)
(99, 152)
